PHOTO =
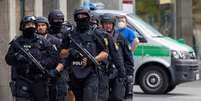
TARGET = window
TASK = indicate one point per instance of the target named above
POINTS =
(138, 34)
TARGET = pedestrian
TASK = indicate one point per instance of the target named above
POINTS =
(127, 32)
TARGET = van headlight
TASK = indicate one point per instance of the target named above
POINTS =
(192, 55)
(183, 55)
(175, 54)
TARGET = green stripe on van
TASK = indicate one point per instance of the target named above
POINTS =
(150, 50)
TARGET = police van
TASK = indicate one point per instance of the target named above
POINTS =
(161, 62)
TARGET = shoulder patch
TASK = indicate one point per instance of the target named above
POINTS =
(55, 47)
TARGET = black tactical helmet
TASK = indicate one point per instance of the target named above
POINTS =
(42, 19)
(95, 20)
(81, 11)
(25, 20)
(107, 17)
(55, 14)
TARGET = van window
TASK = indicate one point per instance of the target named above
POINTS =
(138, 34)
(140, 24)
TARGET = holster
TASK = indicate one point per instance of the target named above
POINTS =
(23, 88)
(13, 88)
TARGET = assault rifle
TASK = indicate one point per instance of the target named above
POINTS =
(85, 52)
(31, 57)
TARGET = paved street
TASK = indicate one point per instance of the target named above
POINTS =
(184, 92)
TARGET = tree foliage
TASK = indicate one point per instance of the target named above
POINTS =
(147, 7)
(196, 10)
(159, 16)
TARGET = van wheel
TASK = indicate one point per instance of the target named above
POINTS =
(170, 88)
(154, 80)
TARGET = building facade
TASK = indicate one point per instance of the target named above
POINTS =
(11, 13)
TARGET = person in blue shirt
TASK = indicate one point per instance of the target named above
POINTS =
(128, 33)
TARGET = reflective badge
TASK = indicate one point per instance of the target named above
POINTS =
(27, 46)
(106, 41)
(55, 47)
(77, 63)
(116, 46)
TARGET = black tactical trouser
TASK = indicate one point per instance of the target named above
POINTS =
(22, 99)
(103, 87)
(62, 86)
(58, 90)
(52, 92)
(85, 89)
(36, 91)
(129, 86)
(117, 89)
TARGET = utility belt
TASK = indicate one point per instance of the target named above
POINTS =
(33, 77)
(39, 77)
(22, 86)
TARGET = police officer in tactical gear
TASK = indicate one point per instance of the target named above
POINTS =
(112, 65)
(56, 20)
(95, 22)
(83, 75)
(58, 29)
(30, 79)
(42, 26)
(108, 23)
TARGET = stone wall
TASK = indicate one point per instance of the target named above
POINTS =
(5, 94)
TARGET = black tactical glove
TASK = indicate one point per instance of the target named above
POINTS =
(54, 74)
(75, 53)
(20, 57)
